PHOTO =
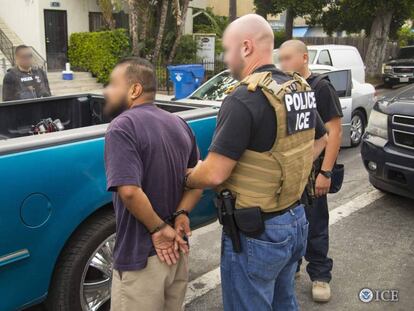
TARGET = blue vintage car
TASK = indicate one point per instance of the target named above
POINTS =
(57, 225)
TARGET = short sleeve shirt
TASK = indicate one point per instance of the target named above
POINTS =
(246, 120)
(328, 104)
(149, 148)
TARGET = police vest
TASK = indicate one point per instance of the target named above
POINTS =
(275, 179)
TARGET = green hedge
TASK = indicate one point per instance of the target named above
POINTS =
(98, 52)
(280, 37)
(405, 36)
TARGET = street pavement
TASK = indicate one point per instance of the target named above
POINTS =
(371, 243)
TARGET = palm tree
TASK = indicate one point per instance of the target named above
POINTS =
(133, 25)
(107, 8)
(161, 29)
(181, 14)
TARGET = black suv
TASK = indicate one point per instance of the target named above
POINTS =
(388, 144)
(400, 69)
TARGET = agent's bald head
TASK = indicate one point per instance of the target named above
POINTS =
(248, 44)
(293, 56)
(296, 45)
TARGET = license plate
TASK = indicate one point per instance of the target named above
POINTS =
(403, 79)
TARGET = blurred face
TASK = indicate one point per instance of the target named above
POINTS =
(290, 59)
(117, 93)
(233, 55)
(24, 58)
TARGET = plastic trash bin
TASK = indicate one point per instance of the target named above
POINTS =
(186, 79)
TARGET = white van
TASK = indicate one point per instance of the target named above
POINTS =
(338, 56)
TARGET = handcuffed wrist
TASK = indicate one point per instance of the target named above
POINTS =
(159, 228)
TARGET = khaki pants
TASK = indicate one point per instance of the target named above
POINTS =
(157, 287)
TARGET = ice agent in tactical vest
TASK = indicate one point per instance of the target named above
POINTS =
(259, 163)
(293, 55)
(24, 81)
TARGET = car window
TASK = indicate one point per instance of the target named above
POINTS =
(215, 88)
(341, 81)
(406, 53)
(324, 58)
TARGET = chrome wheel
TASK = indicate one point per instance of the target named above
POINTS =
(95, 287)
(357, 129)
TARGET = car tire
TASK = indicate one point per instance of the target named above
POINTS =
(388, 85)
(76, 268)
(358, 125)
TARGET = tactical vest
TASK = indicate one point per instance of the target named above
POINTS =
(275, 179)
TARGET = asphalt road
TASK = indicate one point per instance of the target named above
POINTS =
(371, 243)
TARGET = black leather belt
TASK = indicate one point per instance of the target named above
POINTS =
(278, 213)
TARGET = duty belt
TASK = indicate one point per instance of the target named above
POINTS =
(267, 216)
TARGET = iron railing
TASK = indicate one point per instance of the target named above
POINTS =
(7, 48)
(38, 60)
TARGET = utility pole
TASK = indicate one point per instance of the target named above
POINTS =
(232, 10)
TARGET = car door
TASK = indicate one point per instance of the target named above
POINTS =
(342, 82)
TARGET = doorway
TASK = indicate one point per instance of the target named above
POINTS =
(56, 39)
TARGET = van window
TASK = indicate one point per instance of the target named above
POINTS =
(324, 58)
(346, 58)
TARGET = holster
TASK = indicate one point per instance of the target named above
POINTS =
(249, 221)
(225, 203)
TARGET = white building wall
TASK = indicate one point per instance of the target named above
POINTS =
(26, 18)
(22, 17)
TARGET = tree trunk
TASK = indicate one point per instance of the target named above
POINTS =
(377, 44)
(163, 18)
(107, 8)
(232, 10)
(144, 20)
(180, 29)
(289, 23)
(133, 25)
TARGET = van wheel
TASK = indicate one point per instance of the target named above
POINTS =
(83, 275)
(358, 124)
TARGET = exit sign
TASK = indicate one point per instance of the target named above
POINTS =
(55, 4)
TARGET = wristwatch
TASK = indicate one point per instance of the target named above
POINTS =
(327, 174)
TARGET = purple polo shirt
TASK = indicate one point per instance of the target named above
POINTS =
(152, 149)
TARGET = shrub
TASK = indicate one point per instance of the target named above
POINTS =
(186, 52)
(98, 52)
(405, 36)
(280, 37)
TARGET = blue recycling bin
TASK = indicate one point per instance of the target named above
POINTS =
(186, 79)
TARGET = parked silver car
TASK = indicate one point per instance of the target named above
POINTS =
(357, 99)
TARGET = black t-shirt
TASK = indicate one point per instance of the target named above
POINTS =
(246, 120)
(328, 104)
(19, 84)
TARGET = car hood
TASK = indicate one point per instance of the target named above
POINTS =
(401, 62)
(401, 102)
